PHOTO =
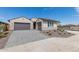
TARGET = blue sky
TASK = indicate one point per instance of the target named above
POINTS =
(66, 15)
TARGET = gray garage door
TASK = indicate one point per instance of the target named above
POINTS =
(21, 26)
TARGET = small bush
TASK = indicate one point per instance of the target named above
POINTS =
(60, 29)
(49, 32)
(54, 30)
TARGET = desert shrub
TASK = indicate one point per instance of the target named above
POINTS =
(69, 33)
(46, 32)
(54, 30)
(49, 32)
(60, 29)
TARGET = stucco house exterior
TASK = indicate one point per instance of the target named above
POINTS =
(44, 24)
(22, 23)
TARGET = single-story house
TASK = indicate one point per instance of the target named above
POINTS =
(44, 24)
(20, 23)
(4, 26)
(23, 23)
(71, 27)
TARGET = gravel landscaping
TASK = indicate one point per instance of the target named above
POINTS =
(57, 33)
(4, 38)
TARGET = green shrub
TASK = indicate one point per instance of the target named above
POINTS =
(2, 28)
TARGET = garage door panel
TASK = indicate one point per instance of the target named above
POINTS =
(21, 26)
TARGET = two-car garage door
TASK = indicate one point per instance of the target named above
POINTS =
(21, 26)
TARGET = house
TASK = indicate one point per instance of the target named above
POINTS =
(4, 26)
(71, 27)
(22, 23)
(44, 24)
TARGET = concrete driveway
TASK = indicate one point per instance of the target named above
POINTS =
(24, 36)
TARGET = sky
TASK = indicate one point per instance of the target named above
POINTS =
(66, 15)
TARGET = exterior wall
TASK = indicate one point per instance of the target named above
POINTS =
(36, 20)
(52, 27)
(25, 20)
(55, 25)
(45, 24)
(41, 24)
(22, 20)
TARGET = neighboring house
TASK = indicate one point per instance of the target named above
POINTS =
(4, 26)
(23, 23)
(71, 27)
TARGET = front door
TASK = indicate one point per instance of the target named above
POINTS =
(34, 25)
(39, 25)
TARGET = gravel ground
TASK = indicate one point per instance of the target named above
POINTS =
(56, 33)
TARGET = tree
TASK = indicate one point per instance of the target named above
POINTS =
(2, 28)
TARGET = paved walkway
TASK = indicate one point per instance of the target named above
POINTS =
(24, 36)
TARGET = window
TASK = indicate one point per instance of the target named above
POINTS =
(44, 22)
(48, 24)
(52, 24)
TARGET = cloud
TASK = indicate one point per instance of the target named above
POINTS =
(2, 18)
(77, 9)
(76, 15)
(48, 8)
